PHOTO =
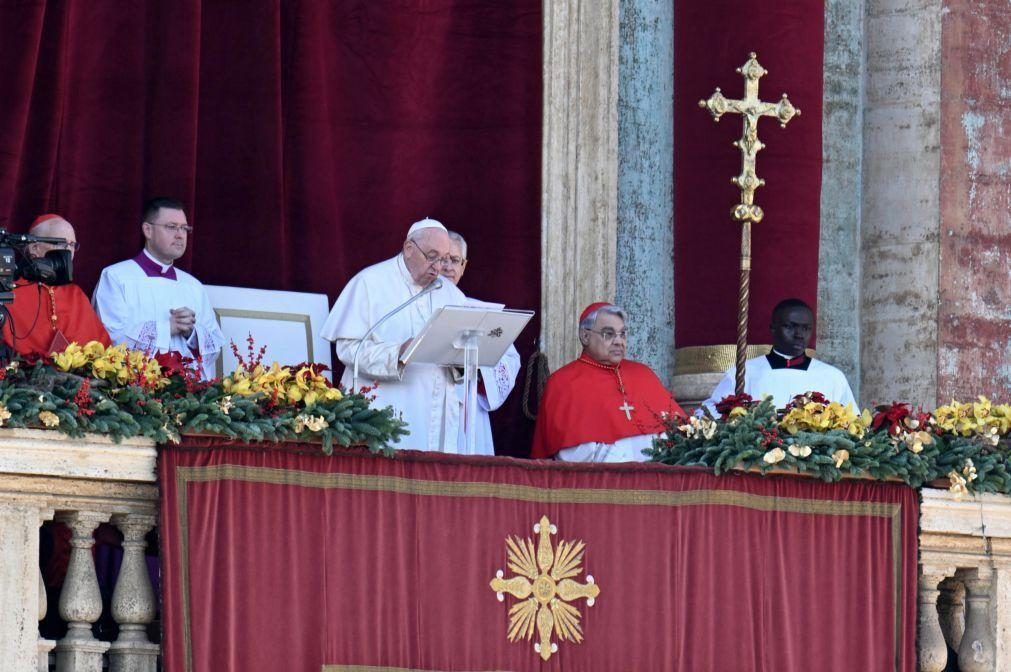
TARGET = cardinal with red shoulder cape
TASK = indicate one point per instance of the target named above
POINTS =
(601, 407)
(44, 318)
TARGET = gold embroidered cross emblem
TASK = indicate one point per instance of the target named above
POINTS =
(545, 588)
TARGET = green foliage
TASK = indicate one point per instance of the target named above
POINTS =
(750, 441)
(28, 391)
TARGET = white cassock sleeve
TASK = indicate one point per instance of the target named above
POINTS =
(350, 318)
(499, 380)
(122, 322)
(207, 339)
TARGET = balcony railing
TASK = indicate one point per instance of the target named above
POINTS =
(964, 588)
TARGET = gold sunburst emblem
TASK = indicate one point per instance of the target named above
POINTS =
(544, 588)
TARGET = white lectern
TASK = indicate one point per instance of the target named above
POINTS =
(467, 337)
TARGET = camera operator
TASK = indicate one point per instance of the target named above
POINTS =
(46, 318)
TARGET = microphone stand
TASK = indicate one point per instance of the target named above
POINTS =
(434, 285)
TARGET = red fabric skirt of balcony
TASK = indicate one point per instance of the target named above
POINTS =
(279, 560)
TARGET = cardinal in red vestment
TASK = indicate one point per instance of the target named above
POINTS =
(601, 407)
(43, 318)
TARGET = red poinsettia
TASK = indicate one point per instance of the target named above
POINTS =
(732, 401)
(811, 397)
(898, 417)
(173, 363)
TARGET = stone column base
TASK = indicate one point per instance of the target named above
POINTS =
(691, 389)
(133, 657)
(81, 656)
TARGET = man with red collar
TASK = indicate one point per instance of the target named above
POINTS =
(149, 304)
(787, 370)
(44, 318)
(601, 407)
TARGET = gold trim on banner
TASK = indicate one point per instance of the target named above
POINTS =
(523, 493)
(715, 358)
(545, 577)
(374, 668)
(302, 318)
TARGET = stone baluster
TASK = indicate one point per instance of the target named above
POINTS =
(133, 600)
(951, 610)
(44, 645)
(932, 647)
(80, 599)
(976, 650)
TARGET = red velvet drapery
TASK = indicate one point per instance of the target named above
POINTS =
(711, 39)
(305, 135)
(274, 560)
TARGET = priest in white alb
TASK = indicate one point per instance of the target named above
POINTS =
(149, 304)
(424, 394)
(787, 370)
(494, 382)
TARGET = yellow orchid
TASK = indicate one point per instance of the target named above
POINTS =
(4, 414)
(840, 456)
(800, 451)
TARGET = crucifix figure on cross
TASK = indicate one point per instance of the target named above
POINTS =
(751, 108)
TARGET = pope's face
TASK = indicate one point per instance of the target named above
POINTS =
(427, 255)
(791, 330)
(166, 235)
(605, 343)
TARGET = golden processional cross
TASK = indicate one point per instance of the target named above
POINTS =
(747, 212)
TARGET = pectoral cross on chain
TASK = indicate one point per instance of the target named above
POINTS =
(627, 408)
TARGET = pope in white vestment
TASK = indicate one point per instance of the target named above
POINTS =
(424, 394)
(149, 304)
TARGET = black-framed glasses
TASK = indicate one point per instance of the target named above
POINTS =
(174, 228)
(73, 247)
(610, 334)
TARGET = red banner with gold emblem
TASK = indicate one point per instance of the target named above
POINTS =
(288, 560)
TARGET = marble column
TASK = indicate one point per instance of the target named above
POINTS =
(579, 172)
(901, 206)
(842, 157)
(645, 270)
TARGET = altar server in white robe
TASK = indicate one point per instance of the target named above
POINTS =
(424, 394)
(786, 371)
(495, 382)
(149, 304)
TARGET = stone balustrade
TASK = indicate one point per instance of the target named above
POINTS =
(81, 483)
(965, 581)
(964, 587)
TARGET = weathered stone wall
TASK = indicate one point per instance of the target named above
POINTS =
(901, 215)
(645, 239)
(974, 313)
(841, 190)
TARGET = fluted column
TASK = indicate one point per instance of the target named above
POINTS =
(133, 600)
(976, 650)
(951, 611)
(80, 599)
(933, 651)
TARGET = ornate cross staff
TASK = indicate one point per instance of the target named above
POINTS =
(746, 212)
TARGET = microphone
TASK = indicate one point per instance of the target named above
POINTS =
(432, 286)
